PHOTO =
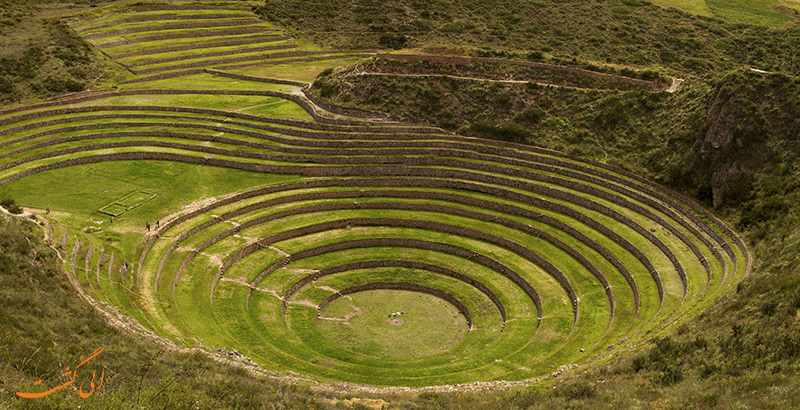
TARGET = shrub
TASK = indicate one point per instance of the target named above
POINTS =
(530, 115)
(26, 65)
(459, 26)
(6, 86)
(11, 206)
(324, 87)
(577, 391)
(69, 56)
(507, 132)
(535, 56)
(670, 375)
(59, 85)
(394, 41)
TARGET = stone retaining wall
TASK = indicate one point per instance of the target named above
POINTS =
(137, 19)
(350, 129)
(341, 224)
(175, 26)
(193, 34)
(336, 170)
(372, 171)
(252, 78)
(523, 251)
(161, 8)
(409, 243)
(214, 54)
(239, 42)
(204, 63)
(400, 264)
(449, 210)
(296, 60)
(352, 112)
(469, 60)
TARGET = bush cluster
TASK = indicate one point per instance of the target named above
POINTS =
(11, 206)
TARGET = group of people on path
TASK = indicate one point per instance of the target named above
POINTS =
(111, 221)
(397, 314)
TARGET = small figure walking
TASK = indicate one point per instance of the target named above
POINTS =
(158, 223)
(111, 220)
(147, 225)
(47, 212)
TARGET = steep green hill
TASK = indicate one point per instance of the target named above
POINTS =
(625, 32)
(41, 57)
(710, 138)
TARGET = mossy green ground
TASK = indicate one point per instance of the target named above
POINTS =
(363, 322)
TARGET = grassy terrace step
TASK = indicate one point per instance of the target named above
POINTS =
(108, 22)
(316, 222)
(152, 113)
(158, 10)
(386, 243)
(192, 34)
(331, 159)
(397, 264)
(228, 51)
(142, 28)
(198, 44)
(209, 45)
(92, 98)
(185, 43)
(350, 366)
(204, 61)
(439, 162)
(542, 66)
(453, 211)
(367, 206)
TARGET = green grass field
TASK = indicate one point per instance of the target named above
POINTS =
(362, 323)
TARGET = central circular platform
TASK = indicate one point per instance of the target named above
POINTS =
(363, 322)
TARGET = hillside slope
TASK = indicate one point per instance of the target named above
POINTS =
(626, 32)
(41, 57)
(45, 327)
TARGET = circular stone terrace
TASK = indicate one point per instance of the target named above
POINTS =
(506, 261)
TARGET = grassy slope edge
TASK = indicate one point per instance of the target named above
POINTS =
(45, 326)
